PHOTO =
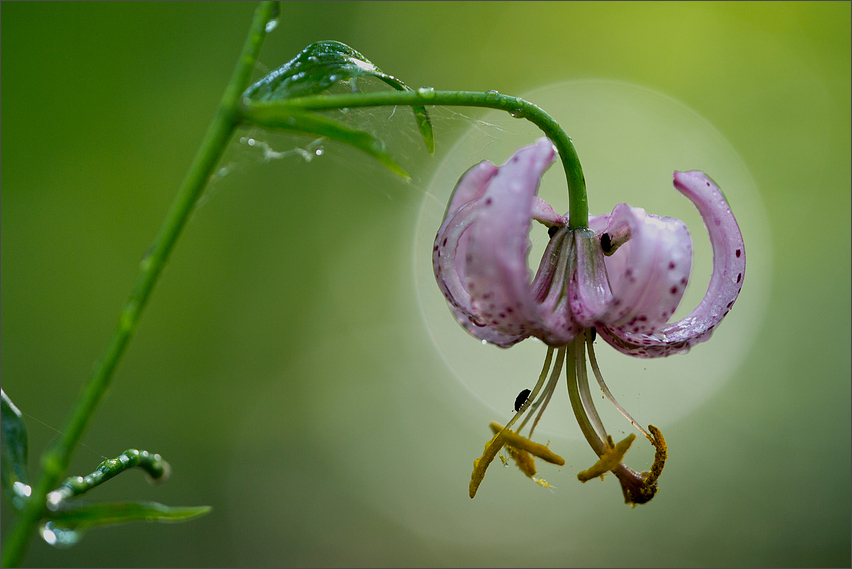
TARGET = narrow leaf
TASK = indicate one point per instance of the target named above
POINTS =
(320, 66)
(75, 516)
(14, 444)
(312, 124)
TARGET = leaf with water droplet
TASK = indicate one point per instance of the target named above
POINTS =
(14, 445)
(317, 68)
(313, 124)
(63, 528)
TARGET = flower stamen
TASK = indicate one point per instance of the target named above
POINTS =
(548, 391)
(609, 460)
(597, 371)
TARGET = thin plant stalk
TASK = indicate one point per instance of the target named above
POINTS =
(234, 112)
(56, 459)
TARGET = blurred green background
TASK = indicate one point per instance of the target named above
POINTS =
(283, 367)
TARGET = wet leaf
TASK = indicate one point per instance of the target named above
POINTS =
(78, 516)
(320, 66)
(14, 444)
(312, 124)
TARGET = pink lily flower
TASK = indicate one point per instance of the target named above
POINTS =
(622, 278)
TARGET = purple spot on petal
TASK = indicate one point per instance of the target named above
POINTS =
(488, 201)
(671, 265)
(444, 244)
(674, 290)
(739, 277)
(739, 252)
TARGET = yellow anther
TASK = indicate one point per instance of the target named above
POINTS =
(514, 439)
(519, 449)
(659, 457)
(611, 458)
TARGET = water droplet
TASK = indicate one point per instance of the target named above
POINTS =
(319, 151)
(493, 91)
(313, 59)
(21, 489)
(484, 343)
(428, 92)
(271, 25)
(333, 77)
(54, 499)
(251, 142)
(517, 114)
(59, 537)
(20, 493)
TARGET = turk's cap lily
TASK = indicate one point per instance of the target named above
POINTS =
(624, 275)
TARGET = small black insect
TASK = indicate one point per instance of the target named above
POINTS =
(521, 399)
(551, 231)
(606, 243)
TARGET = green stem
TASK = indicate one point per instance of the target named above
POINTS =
(56, 459)
(257, 113)
(153, 465)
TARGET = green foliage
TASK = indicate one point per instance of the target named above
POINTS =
(315, 69)
(14, 467)
(66, 525)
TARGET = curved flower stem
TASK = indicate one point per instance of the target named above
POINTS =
(56, 459)
(256, 113)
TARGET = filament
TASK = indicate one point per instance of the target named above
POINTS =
(548, 390)
(585, 393)
(606, 390)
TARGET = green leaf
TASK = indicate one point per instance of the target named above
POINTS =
(313, 124)
(320, 66)
(76, 516)
(14, 443)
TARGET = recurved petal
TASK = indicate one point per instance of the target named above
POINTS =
(470, 186)
(726, 281)
(647, 274)
(496, 260)
(448, 261)
(543, 212)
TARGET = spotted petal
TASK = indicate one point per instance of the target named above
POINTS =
(448, 256)
(470, 186)
(648, 274)
(498, 279)
(725, 281)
